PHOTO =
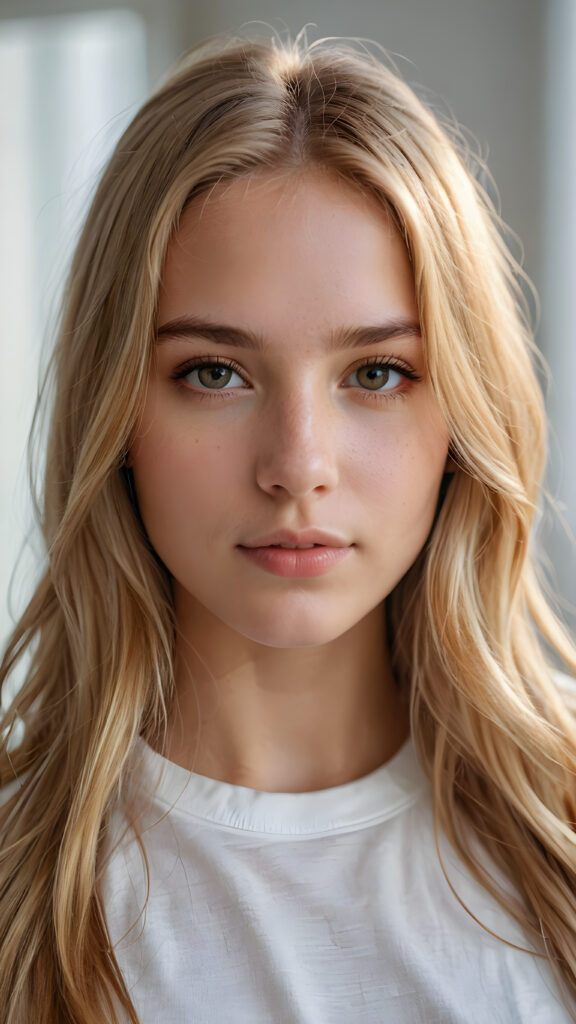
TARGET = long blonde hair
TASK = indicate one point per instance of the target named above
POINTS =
(467, 620)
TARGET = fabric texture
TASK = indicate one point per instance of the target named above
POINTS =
(327, 907)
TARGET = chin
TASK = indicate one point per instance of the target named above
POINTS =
(289, 643)
(287, 635)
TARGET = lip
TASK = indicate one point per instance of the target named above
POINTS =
(296, 564)
(309, 536)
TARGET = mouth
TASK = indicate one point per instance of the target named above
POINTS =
(293, 562)
(307, 538)
(293, 547)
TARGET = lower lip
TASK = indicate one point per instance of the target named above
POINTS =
(292, 563)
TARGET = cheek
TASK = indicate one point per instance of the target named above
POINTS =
(180, 470)
(402, 465)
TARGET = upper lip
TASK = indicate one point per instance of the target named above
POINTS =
(310, 536)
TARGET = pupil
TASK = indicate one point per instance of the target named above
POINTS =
(374, 376)
(214, 375)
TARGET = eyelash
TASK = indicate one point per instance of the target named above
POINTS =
(200, 362)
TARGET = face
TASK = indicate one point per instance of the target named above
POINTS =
(288, 394)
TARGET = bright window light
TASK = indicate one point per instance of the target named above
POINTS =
(70, 84)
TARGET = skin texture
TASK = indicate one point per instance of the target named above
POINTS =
(283, 684)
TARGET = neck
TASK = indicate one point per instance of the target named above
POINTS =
(283, 720)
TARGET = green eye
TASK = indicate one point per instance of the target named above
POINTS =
(209, 375)
(380, 375)
(374, 377)
(213, 376)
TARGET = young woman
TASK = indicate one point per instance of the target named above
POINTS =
(249, 783)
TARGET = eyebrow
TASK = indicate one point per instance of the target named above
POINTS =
(343, 337)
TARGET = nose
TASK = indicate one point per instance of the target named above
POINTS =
(297, 452)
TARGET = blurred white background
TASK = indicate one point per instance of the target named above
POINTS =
(73, 72)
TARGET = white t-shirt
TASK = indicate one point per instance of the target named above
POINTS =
(327, 907)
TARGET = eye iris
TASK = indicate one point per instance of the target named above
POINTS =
(373, 377)
(214, 376)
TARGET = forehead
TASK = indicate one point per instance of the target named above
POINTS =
(298, 252)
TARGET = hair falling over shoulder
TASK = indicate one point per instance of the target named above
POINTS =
(468, 619)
